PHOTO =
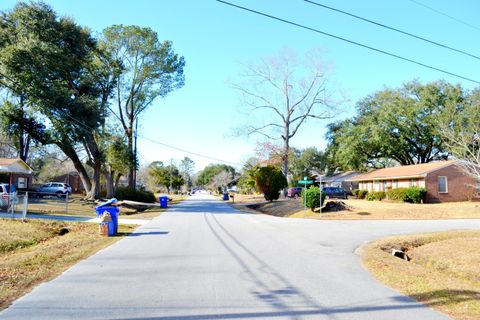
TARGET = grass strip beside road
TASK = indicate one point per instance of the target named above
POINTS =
(34, 251)
(443, 273)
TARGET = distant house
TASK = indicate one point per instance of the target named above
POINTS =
(444, 181)
(342, 180)
(72, 179)
(15, 171)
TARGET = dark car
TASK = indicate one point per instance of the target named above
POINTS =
(335, 192)
(294, 192)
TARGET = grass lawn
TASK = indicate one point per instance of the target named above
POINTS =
(443, 273)
(33, 252)
(364, 210)
(78, 207)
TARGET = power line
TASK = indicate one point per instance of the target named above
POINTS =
(189, 152)
(445, 15)
(350, 41)
(165, 145)
(393, 29)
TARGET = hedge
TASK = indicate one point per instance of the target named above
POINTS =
(362, 194)
(375, 195)
(127, 193)
(396, 194)
(415, 194)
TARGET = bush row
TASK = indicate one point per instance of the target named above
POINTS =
(127, 193)
(412, 194)
(375, 196)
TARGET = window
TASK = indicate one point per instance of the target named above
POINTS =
(413, 182)
(395, 184)
(442, 185)
(478, 184)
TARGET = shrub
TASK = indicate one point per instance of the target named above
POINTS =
(127, 193)
(396, 194)
(375, 195)
(270, 180)
(313, 197)
(355, 192)
(362, 194)
(415, 194)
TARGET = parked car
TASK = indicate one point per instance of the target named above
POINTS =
(5, 188)
(335, 192)
(7, 195)
(54, 188)
(294, 192)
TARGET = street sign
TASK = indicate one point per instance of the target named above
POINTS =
(305, 181)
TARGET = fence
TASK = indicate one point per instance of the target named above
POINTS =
(14, 203)
(19, 203)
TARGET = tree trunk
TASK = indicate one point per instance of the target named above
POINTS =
(95, 190)
(72, 154)
(131, 171)
(96, 164)
(117, 179)
(109, 180)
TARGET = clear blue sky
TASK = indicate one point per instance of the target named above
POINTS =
(214, 37)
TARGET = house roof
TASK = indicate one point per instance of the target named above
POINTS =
(343, 176)
(15, 165)
(411, 171)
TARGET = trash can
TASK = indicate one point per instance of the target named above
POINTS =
(163, 201)
(113, 211)
(225, 197)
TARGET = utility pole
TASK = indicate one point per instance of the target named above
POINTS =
(135, 155)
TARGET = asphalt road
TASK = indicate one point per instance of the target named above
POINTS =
(204, 260)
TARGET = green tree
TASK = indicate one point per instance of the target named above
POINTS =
(166, 176)
(150, 69)
(187, 166)
(117, 161)
(400, 125)
(460, 129)
(19, 122)
(247, 181)
(205, 177)
(46, 60)
(270, 180)
(306, 160)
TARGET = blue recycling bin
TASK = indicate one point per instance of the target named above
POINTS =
(225, 197)
(113, 211)
(163, 201)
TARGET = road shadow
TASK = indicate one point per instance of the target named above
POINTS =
(137, 234)
(446, 297)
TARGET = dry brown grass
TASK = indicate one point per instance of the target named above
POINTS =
(79, 207)
(33, 252)
(443, 272)
(370, 210)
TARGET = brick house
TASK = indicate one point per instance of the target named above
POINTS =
(445, 181)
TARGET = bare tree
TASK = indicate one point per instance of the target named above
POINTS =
(460, 131)
(281, 94)
(221, 180)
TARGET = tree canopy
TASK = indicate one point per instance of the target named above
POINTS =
(149, 69)
(395, 125)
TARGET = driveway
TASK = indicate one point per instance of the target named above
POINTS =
(203, 259)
